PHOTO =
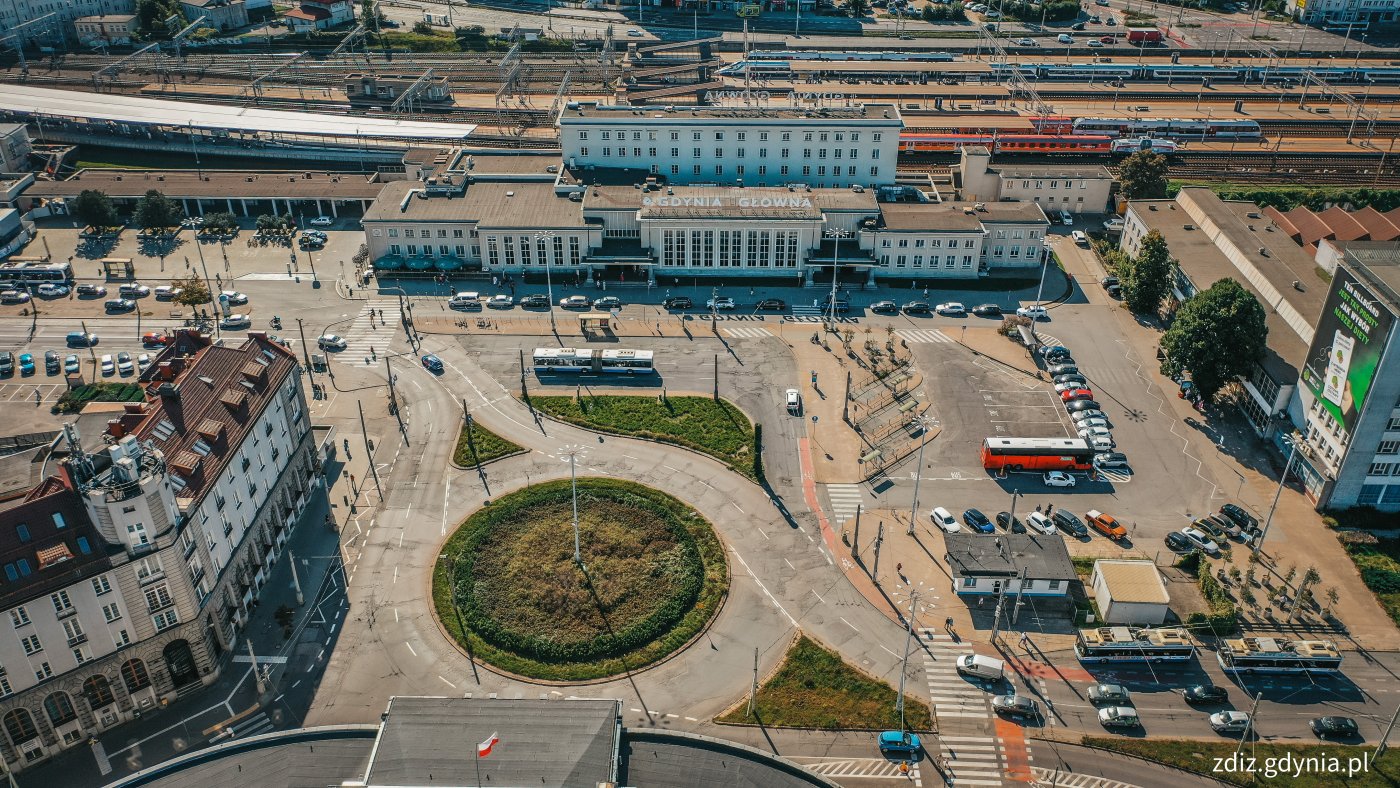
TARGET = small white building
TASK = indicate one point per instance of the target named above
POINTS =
(1130, 592)
(1076, 188)
(1029, 564)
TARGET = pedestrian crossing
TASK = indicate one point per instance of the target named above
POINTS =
(1055, 778)
(858, 767)
(366, 336)
(972, 760)
(952, 695)
(845, 499)
(747, 332)
(809, 311)
(923, 336)
(253, 726)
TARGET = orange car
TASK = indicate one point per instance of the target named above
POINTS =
(1105, 524)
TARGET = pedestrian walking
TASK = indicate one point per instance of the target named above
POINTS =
(948, 622)
(898, 568)
(1037, 508)
(1049, 508)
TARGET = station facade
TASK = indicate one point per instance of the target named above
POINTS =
(633, 220)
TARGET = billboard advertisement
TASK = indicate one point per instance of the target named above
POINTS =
(1347, 348)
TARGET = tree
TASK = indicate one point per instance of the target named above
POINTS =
(95, 209)
(857, 8)
(1143, 176)
(151, 14)
(1217, 336)
(193, 291)
(423, 28)
(156, 211)
(1146, 279)
(221, 220)
(370, 15)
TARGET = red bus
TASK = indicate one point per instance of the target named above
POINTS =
(1037, 454)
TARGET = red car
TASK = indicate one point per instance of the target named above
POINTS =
(155, 338)
(1074, 394)
(1107, 40)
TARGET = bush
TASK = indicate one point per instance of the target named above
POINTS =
(1190, 563)
(74, 400)
(1222, 618)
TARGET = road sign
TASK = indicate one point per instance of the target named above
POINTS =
(750, 10)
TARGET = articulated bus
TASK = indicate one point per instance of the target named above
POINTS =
(1130, 644)
(1279, 655)
(590, 361)
(34, 271)
(1037, 454)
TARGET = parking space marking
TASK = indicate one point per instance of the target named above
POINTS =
(24, 392)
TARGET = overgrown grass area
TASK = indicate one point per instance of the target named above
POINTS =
(477, 445)
(716, 428)
(93, 157)
(1285, 197)
(1378, 561)
(1338, 765)
(814, 688)
(653, 575)
(73, 401)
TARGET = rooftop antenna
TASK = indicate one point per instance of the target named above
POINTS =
(78, 459)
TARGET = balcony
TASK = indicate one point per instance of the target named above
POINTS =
(77, 640)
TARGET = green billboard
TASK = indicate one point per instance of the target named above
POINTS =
(1347, 348)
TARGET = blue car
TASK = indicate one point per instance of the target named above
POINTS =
(26, 364)
(899, 742)
(978, 521)
(432, 363)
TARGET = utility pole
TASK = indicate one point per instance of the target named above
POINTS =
(918, 474)
(1016, 611)
(369, 450)
(716, 377)
(88, 339)
(1014, 495)
(996, 615)
(879, 540)
(257, 674)
(1292, 453)
(1249, 725)
(296, 581)
(1384, 745)
(306, 356)
(714, 309)
(904, 664)
(855, 540)
(573, 483)
(753, 688)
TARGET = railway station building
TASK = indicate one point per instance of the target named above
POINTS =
(1081, 188)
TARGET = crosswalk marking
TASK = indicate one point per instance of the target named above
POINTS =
(853, 767)
(923, 336)
(968, 760)
(257, 724)
(1054, 778)
(748, 333)
(807, 310)
(845, 498)
(366, 336)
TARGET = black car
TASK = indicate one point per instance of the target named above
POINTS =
(1243, 519)
(1068, 523)
(987, 310)
(917, 308)
(51, 362)
(1115, 291)
(772, 305)
(1109, 281)
(91, 291)
(841, 306)
(978, 521)
(678, 302)
(1009, 523)
(1204, 693)
(536, 301)
(1331, 727)
(1178, 542)
(884, 306)
(1063, 369)
(1072, 377)
(607, 302)
(1082, 404)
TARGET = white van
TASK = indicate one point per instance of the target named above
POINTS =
(466, 300)
(982, 667)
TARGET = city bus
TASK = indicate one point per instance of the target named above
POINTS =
(1130, 644)
(33, 271)
(589, 361)
(1279, 655)
(1037, 454)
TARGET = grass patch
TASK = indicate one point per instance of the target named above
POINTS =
(73, 401)
(1132, 17)
(477, 445)
(99, 158)
(655, 576)
(1200, 757)
(1378, 561)
(814, 688)
(718, 429)
(1083, 566)
(1285, 197)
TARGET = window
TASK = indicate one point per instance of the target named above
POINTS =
(719, 135)
(969, 582)
(122, 638)
(73, 629)
(393, 232)
(740, 154)
(19, 616)
(44, 671)
(1389, 447)
(1055, 585)
(134, 675)
(61, 603)
(583, 151)
(1394, 423)
(875, 172)
(1379, 469)
(31, 644)
(165, 620)
(695, 135)
(22, 532)
(762, 136)
(785, 152)
(100, 585)
(158, 597)
(408, 233)
(149, 568)
(111, 612)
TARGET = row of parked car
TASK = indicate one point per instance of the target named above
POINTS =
(1072, 386)
(1231, 522)
(1047, 523)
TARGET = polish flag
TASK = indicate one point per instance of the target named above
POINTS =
(484, 749)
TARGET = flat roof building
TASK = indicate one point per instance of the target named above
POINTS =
(1031, 564)
(1130, 592)
(1075, 188)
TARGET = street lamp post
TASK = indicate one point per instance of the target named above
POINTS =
(547, 236)
(1283, 477)
(572, 453)
(836, 233)
(918, 473)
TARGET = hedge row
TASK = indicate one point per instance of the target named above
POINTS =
(1221, 617)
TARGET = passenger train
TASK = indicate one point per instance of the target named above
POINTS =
(1032, 143)
(911, 57)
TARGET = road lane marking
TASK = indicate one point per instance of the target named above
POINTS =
(847, 623)
(410, 648)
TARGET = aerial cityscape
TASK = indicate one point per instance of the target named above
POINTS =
(687, 393)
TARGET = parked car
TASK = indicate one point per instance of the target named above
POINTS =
(1094, 423)
(1065, 383)
(108, 365)
(1058, 479)
(119, 305)
(951, 309)
(1105, 524)
(794, 401)
(1075, 394)
(1200, 540)
(1230, 721)
(987, 310)
(1087, 414)
(675, 302)
(720, 302)
(1033, 312)
(944, 519)
(1010, 523)
(1240, 516)
(500, 301)
(1081, 405)
(52, 363)
(322, 221)
(1109, 281)
(14, 297)
(1116, 694)
(1205, 693)
(916, 308)
(1178, 542)
(772, 305)
(91, 291)
(1334, 727)
(168, 292)
(1209, 526)
(1040, 523)
(1111, 459)
(534, 302)
(331, 342)
(235, 298)
(884, 307)
(1063, 369)
(1079, 237)
(607, 302)
(143, 361)
(7, 362)
(71, 365)
(51, 290)
(26, 364)
(978, 521)
(575, 302)
(1020, 706)
(133, 290)
(1088, 432)
(899, 742)
(432, 363)
(1119, 717)
(124, 363)
(1067, 522)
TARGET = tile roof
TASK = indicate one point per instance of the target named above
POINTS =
(200, 402)
(51, 555)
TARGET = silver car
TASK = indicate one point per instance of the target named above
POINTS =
(1016, 706)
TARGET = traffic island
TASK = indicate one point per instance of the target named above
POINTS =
(814, 688)
(508, 590)
(477, 446)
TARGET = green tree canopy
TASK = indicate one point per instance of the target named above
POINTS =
(1143, 176)
(193, 291)
(95, 209)
(1217, 336)
(151, 14)
(156, 211)
(857, 8)
(1146, 279)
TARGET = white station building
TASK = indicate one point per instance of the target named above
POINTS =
(648, 193)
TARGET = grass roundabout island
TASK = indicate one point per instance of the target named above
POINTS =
(507, 589)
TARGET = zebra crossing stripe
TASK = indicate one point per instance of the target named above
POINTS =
(748, 333)
(923, 336)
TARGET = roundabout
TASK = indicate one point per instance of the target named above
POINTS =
(507, 589)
